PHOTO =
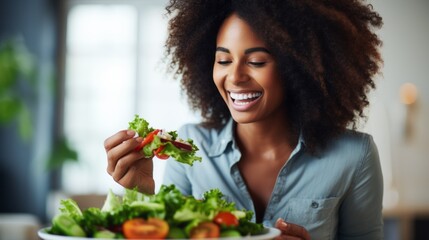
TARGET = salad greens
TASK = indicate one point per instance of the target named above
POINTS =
(181, 213)
(164, 144)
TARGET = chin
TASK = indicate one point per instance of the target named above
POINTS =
(243, 118)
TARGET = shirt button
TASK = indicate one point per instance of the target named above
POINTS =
(314, 205)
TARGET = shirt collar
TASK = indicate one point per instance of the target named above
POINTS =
(300, 145)
(226, 136)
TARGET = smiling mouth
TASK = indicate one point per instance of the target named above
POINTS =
(244, 98)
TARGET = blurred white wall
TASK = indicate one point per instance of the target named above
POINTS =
(405, 157)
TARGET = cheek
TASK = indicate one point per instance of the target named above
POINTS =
(279, 90)
(218, 78)
(273, 84)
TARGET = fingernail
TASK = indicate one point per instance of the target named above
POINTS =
(139, 139)
(131, 133)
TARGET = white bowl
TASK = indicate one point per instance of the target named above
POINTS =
(269, 233)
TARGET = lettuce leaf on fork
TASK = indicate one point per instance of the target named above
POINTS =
(181, 150)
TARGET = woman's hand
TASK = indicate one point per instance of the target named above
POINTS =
(291, 231)
(127, 166)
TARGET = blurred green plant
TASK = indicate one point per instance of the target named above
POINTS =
(17, 66)
(61, 153)
(17, 71)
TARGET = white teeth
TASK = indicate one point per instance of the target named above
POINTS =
(244, 96)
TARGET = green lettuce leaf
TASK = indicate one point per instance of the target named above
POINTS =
(111, 203)
(70, 207)
(140, 126)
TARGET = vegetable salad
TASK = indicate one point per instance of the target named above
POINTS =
(167, 214)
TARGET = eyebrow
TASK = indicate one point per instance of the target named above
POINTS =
(247, 51)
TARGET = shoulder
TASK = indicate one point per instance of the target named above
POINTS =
(353, 149)
(353, 141)
(355, 136)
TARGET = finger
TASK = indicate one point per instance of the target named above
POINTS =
(140, 178)
(118, 138)
(120, 151)
(290, 229)
(124, 164)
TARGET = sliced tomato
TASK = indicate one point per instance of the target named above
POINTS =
(160, 155)
(226, 219)
(139, 228)
(205, 230)
(148, 139)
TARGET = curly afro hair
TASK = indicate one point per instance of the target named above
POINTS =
(327, 51)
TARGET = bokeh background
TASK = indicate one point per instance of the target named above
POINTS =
(73, 72)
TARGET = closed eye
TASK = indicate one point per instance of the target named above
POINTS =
(224, 62)
(257, 64)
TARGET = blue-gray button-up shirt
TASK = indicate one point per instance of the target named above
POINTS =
(334, 195)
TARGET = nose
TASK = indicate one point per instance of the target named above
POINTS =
(237, 74)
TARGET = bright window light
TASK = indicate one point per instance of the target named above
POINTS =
(113, 70)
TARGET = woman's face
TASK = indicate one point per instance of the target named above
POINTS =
(245, 73)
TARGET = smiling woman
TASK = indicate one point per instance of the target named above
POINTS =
(280, 86)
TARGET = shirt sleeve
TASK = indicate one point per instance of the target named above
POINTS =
(361, 211)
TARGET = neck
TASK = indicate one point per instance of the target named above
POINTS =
(271, 136)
